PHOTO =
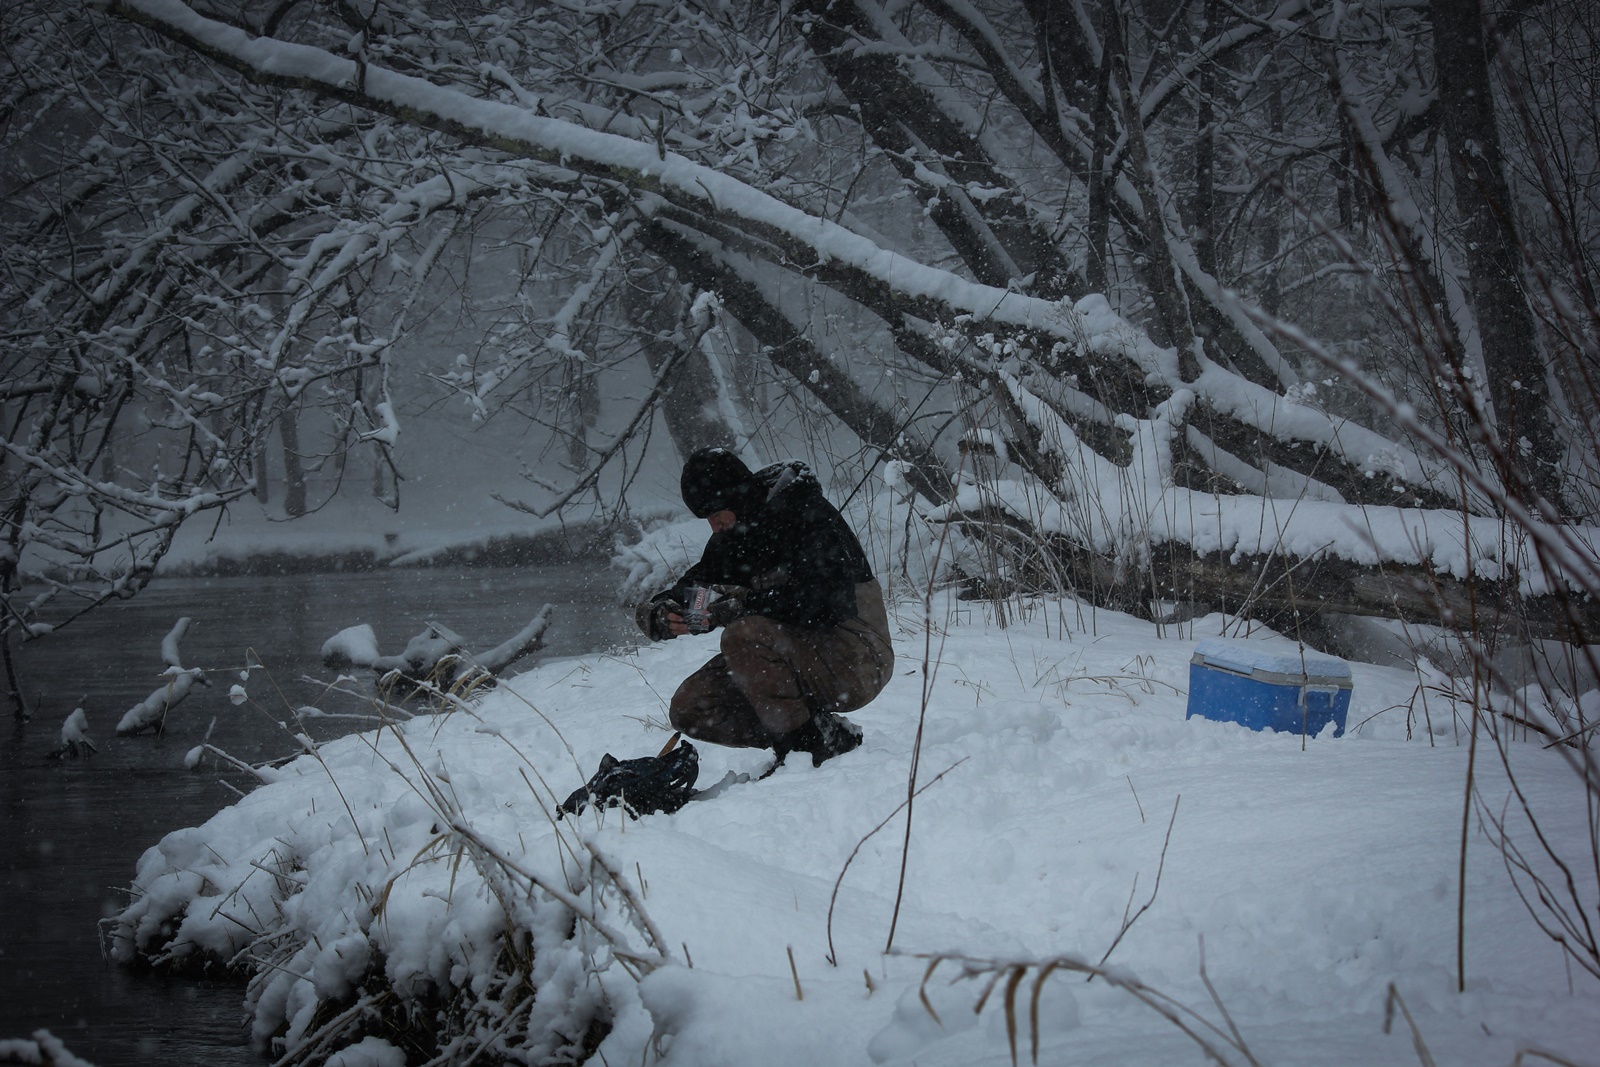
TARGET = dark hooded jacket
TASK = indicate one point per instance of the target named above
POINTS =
(790, 548)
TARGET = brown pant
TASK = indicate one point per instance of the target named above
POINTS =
(771, 677)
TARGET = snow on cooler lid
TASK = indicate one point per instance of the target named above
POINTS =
(1251, 657)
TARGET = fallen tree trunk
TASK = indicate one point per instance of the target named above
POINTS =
(1274, 588)
(1277, 590)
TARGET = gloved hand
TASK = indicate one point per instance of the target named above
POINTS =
(727, 607)
(652, 618)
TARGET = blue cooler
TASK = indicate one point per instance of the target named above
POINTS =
(1268, 688)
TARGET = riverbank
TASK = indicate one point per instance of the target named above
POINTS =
(72, 830)
(1072, 816)
(363, 535)
(593, 543)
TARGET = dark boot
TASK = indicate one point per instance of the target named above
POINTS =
(824, 736)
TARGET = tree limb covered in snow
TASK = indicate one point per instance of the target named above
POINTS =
(437, 658)
(882, 198)
(151, 712)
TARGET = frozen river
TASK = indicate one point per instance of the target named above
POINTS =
(72, 831)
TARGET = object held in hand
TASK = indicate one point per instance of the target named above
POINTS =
(696, 612)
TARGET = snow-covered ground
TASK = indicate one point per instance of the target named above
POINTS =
(1302, 879)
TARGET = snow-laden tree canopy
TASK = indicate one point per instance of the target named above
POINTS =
(1155, 299)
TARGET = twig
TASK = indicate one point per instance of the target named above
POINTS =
(1392, 1001)
(1212, 1039)
(795, 972)
(1128, 921)
(837, 882)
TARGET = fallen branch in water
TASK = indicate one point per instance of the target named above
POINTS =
(74, 737)
(435, 659)
(151, 712)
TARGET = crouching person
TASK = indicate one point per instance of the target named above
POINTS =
(805, 637)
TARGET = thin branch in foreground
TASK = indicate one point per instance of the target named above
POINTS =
(833, 957)
(1127, 920)
(1392, 1001)
(1225, 1048)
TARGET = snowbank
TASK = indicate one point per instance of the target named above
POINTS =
(411, 879)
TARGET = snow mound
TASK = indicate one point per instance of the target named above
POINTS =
(409, 888)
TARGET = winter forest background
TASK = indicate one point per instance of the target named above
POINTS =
(1284, 310)
(1149, 265)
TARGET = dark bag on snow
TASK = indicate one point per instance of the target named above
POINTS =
(640, 786)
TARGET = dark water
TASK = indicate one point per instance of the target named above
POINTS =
(71, 831)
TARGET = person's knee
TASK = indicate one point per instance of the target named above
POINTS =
(752, 633)
(685, 712)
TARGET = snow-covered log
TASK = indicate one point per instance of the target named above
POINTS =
(437, 658)
(525, 641)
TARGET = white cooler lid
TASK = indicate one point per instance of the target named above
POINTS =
(1272, 658)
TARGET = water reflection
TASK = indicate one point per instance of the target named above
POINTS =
(71, 832)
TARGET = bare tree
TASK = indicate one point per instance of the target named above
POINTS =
(1078, 232)
(187, 266)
